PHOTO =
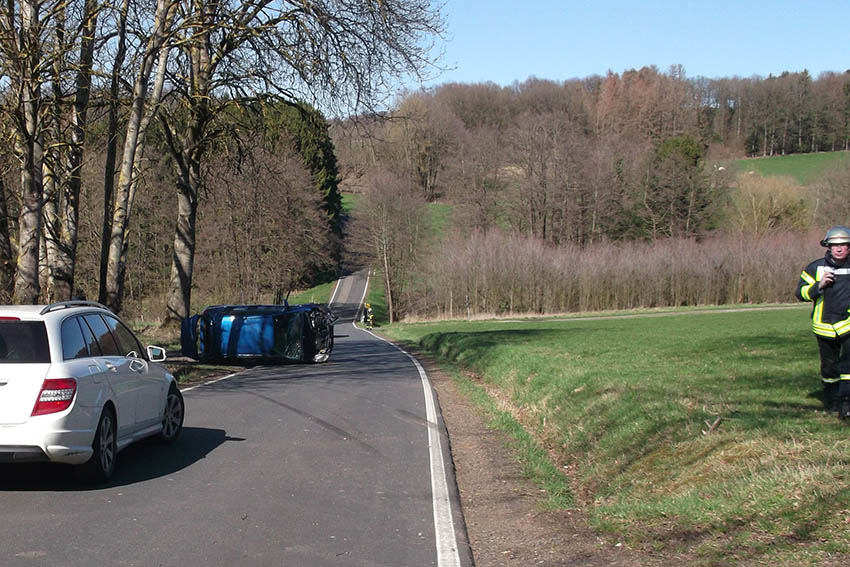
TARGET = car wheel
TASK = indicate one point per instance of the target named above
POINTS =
(101, 466)
(172, 418)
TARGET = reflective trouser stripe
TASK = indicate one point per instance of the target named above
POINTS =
(833, 380)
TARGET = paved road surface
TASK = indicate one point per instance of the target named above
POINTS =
(297, 465)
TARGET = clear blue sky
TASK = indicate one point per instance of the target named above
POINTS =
(503, 41)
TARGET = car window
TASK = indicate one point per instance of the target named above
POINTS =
(126, 340)
(73, 342)
(108, 346)
(23, 342)
(94, 348)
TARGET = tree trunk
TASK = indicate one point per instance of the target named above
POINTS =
(30, 152)
(388, 282)
(133, 146)
(65, 252)
(7, 268)
(111, 151)
(180, 288)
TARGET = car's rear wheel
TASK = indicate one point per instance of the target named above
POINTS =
(101, 466)
(172, 419)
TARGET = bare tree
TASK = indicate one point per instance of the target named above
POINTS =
(389, 228)
(267, 230)
(68, 121)
(145, 103)
(339, 54)
(21, 36)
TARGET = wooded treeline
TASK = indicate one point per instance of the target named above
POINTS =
(554, 171)
(119, 115)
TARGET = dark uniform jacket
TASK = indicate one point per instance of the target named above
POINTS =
(831, 311)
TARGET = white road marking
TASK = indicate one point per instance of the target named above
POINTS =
(208, 383)
(444, 530)
(447, 552)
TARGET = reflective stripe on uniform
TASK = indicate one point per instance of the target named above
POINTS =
(804, 291)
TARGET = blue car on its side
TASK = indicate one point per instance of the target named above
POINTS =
(273, 333)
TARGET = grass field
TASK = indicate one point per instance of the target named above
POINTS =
(804, 168)
(319, 294)
(692, 434)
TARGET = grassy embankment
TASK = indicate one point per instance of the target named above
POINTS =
(697, 433)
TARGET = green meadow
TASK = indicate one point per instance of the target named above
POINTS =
(804, 168)
(697, 434)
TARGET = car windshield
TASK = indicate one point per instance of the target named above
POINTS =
(23, 342)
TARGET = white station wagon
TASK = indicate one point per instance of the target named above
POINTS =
(76, 387)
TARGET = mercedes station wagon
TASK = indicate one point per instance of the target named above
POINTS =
(77, 386)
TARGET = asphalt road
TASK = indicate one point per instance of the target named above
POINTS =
(342, 463)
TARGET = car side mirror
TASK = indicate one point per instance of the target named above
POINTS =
(156, 354)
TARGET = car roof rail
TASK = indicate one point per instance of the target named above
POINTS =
(72, 303)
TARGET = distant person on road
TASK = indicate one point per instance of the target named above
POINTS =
(368, 317)
(826, 282)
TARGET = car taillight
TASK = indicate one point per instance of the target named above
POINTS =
(56, 395)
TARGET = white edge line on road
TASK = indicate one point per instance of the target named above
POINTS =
(208, 383)
(447, 552)
(444, 530)
(336, 289)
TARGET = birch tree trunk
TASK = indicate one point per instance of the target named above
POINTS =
(140, 116)
(28, 145)
(180, 286)
(111, 148)
(62, 178)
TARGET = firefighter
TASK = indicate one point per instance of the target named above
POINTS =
(368, 316)
(826, 283)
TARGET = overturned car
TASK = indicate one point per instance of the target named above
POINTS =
(273, 333)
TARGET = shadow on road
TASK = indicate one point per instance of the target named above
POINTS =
(137, 463)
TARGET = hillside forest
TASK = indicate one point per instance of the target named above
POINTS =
(166, 155)
(624, 191)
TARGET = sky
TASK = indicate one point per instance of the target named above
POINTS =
(503, 41)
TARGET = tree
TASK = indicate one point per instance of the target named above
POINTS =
(21, 38)
(266, 231)
(390, 231)
(303, 127)
(338, 53)
(144, 106)
(64, 157)
(678, 199)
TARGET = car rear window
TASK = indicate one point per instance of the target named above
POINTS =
(23, 342)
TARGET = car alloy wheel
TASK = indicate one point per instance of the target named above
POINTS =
(172, 420)
(101, 466)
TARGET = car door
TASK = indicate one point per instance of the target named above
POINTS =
(150, 400)
(124, 382)
(79, 352)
